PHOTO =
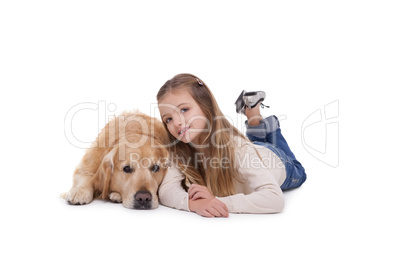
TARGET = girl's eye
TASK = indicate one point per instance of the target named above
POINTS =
(183, 110)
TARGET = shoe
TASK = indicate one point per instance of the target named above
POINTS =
(249, 100)
(240, 104)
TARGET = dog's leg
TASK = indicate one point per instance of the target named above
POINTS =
(82, 191)
(115, 197)
(79, 196)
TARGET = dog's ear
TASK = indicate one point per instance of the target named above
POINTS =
(105, 172)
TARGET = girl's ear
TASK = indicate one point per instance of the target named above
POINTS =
(105, 172)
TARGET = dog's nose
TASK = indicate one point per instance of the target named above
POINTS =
(143, 200)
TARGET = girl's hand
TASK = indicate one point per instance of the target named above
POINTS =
(210, 207)
(204, 203)
(197, 191)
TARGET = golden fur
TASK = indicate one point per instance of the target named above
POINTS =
(126, 163)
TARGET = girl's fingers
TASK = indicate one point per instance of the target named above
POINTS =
(193, 189)
(198, 191)
(205, 213)
(198, 195)
(223, 210)
(213, 211)
(221, 207)
(224, 206)
(209, 207)
(218, 209)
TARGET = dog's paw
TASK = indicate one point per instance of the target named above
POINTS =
(115, 197)
(80, 196)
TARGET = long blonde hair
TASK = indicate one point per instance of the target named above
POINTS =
(219, 180)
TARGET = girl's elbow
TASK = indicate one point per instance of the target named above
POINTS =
(272, 206)
(273, 203)
(278, 205)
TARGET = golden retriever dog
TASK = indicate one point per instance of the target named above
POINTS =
(126, 163)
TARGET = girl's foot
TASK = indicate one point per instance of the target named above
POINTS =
(249, 100)
(248, 103)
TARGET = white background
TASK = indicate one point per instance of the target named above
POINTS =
(304, 54)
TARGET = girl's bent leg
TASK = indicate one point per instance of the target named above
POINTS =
(268, 134)
(260, 132)
(269, 131)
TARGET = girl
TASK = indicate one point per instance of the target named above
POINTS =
(226, 172)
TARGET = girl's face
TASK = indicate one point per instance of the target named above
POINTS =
(183, 117)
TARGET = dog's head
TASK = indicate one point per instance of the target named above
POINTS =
(133, 171)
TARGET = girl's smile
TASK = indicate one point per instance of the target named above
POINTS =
(182, 132)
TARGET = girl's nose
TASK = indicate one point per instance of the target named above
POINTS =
(177, 121)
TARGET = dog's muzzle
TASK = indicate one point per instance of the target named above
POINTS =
(143, 200)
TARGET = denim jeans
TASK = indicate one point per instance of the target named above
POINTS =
(269, 135)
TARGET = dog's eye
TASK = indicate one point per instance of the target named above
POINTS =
(127, 169)
(155, 168)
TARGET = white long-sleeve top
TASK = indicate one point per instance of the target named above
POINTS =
(259, 191)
